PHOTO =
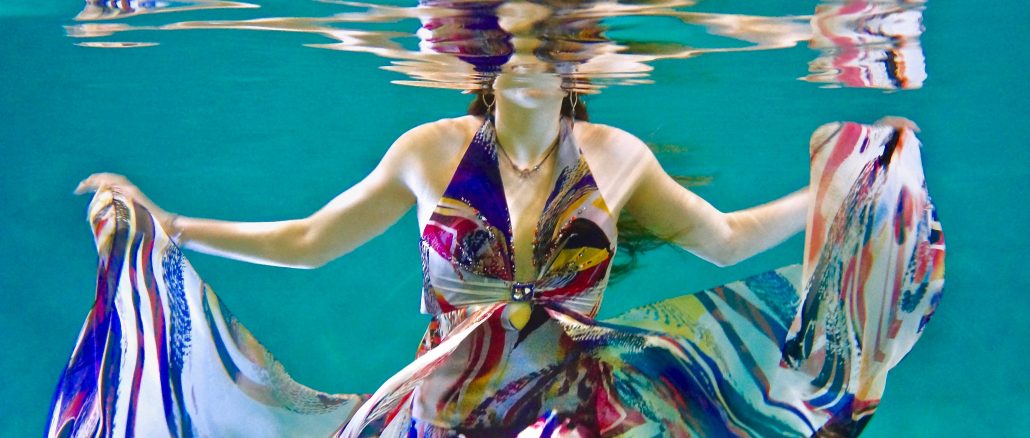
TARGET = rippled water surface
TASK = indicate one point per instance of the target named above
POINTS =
(266, 109)
(461, 44)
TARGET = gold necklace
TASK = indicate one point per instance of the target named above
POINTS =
(526, 173)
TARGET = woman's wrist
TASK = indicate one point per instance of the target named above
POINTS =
(173, 227)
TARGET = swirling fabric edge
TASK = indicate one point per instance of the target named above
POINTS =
(159, 355)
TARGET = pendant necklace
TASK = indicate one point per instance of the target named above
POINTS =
(526, 173)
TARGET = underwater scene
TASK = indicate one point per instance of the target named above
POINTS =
(265, 110)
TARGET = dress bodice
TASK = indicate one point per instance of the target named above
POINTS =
(467, 245)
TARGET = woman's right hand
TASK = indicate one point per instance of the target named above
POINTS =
(360, 213)
(121, 185)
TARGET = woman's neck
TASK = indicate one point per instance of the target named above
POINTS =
(527, 133)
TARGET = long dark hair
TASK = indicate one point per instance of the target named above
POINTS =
(634, 238)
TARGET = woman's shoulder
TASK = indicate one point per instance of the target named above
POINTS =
(451, 125)
(607, 137)
(616, 158)
(431, 139)
(609, 145)
(434, 139)
(422, 156)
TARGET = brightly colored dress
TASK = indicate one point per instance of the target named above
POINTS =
(803, 350)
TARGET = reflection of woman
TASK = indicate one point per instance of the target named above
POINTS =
(518, 216)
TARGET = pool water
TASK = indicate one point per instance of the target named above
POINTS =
(250, 125)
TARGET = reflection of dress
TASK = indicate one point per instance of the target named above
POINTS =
(755, 357)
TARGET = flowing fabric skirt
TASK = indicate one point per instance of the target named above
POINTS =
(799, 351)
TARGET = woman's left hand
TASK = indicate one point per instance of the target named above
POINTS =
(898, 123)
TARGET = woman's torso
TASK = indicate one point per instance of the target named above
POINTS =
(469, 244)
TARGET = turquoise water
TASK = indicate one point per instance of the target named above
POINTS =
(254, 126)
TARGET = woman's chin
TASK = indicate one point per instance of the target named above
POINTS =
(532, 99)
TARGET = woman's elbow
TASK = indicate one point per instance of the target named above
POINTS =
(722, 263)
(732, 242)
(715, 256)
(308, 262)
(717, 248)
(299, 246)
(310, 265)
(725, 258)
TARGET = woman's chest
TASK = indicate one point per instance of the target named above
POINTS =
(516, 232)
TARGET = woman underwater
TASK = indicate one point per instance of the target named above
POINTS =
(517, 210)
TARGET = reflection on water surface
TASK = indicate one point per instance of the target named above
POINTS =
(111, 9)
(461, 44)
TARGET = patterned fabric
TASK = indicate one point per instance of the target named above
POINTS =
(160, 356)
(468, 256)
(467, 249)
(800, 351)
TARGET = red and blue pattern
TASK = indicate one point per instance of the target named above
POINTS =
(800, 351)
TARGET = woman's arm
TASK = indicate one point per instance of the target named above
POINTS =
(345, 223)
(676, 214)
(354, 217)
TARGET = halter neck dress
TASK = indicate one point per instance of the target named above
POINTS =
(505, 377)
(467, 245)
(798, 351)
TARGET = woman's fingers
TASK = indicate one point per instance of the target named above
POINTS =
(98, 181)
(898, 122)
(124, 188)
(88, 185)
